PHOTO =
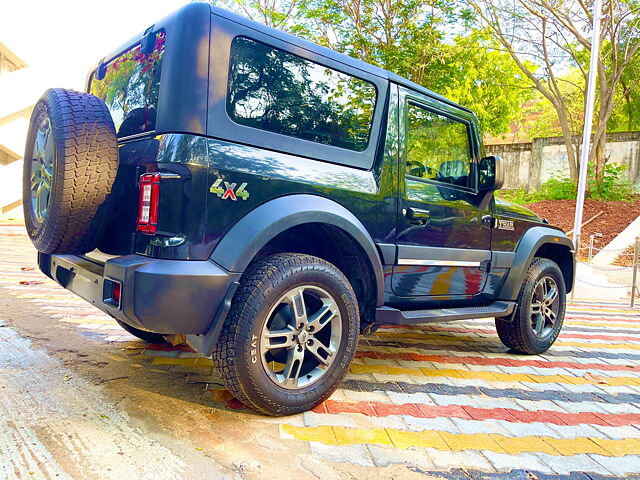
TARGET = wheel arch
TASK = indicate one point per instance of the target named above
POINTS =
(263, 231)
(544, 242)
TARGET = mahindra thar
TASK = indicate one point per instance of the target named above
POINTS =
(270, 199)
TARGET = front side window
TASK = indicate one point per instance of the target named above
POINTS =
(130, 88)
(282, 93)
(437, 147)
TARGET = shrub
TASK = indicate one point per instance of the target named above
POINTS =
(552, 189)
(557, 189)
(613, 185)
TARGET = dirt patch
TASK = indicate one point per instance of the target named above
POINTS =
(626, 258)
(616, 217)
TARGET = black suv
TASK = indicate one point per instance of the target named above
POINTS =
(269, 199)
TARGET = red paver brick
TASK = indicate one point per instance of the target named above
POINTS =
(350, 407)
(456, 411)
(485, 413)
(384, 409)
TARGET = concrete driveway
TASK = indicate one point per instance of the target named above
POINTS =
(80, 398)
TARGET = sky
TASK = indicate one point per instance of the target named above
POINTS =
(67, 37)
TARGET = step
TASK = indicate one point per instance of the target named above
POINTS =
(393, 316)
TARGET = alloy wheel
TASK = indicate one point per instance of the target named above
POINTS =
(42, 169)
(301, 337)
(544, 306)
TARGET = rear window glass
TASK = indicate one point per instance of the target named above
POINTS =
(130, 88)
(276, 91)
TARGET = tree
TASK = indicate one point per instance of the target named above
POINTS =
(411, 38)
(547, 37)
(274, 13)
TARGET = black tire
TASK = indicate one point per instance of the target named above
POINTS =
(237, 354)
(82, 154)
(141, 334)
(520, 334)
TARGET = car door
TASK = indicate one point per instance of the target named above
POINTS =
(444, 248)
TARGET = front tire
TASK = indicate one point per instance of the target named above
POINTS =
(540, 310)
(290, 336)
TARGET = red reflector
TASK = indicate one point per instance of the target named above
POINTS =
(115, 295)
(148, 205)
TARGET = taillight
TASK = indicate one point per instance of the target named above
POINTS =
(112, 292)
(149, 198)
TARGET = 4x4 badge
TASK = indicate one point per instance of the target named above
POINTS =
(229, 190)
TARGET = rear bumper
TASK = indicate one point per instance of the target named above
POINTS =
(162, 296)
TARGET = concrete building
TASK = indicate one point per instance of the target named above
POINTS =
(22, 82)
(14, 118)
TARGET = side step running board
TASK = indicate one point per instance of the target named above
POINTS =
(392, 316)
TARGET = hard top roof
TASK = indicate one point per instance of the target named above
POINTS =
(352, 62)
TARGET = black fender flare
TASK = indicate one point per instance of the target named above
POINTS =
(529, 244)
(244, 240)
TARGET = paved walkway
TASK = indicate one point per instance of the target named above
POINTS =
(445, 399)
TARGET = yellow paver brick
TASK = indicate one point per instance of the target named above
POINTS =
(349, 436)
(614, 346)
(518, 445)
(322, 433)
(441, 440)
(576, 446)
(418, 337)
(426, 439)
(355, 368)
(604, 324)
(491, 376)
(476, 441)
(403, 371)
(445, 372)
(631, 446)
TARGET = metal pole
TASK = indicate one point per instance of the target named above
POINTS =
(591, 237)
(576, 241)
(588, 119)
(634, 287)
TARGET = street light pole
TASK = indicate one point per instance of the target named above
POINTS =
(588, 119)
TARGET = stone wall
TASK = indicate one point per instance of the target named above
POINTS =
(529, 165)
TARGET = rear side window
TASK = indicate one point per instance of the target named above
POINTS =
(279, 92)
(130, 88)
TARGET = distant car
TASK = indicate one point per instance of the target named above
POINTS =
(270, 199)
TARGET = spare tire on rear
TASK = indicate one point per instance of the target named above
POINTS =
(70, 165)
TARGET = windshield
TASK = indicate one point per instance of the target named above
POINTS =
(130, 88)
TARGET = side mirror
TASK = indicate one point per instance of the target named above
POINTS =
(490, 174)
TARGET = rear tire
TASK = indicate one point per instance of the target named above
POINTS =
(290, 335)
(148, 337)
(70, 165)
(540, 310)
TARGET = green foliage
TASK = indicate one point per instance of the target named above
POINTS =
(553, 189)
(613, 185)
(557, 189)
(485, 79)
(518, 195)
(427, 41)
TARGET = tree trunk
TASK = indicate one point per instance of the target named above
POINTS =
(599, 159)
(567, 136)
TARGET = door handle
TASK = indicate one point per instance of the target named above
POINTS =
(417, 215)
